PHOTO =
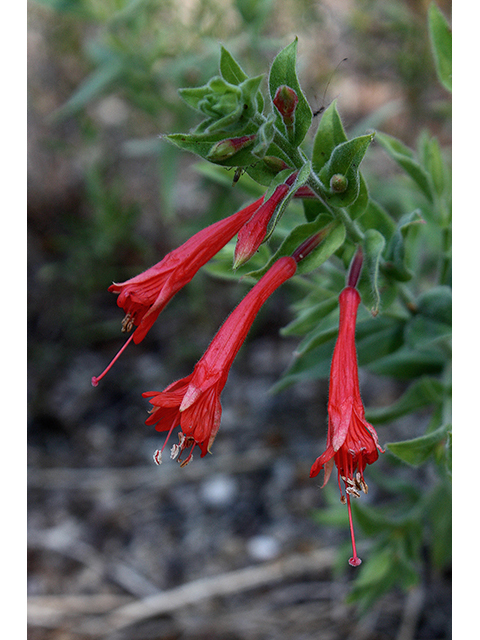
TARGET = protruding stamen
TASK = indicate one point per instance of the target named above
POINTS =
(187, 460)
(96, 379)
(352, 491)
(354, 561)
(157, 457)
(127, 323)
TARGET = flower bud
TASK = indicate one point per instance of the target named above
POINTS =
(227, 148)
(275, 164)
(338, 183)
(286, 101)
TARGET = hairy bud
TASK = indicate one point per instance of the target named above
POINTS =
(286, 101)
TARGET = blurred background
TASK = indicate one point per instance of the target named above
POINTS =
(188, 553)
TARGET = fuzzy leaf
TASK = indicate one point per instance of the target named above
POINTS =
(283, 72)
(422, 332)
(404, 157)
(330, 133)
(422, 393)
(394, 265)
(416, 451)
(436, 303)
(328, 246)
(203, 144)
(375, 217)
(359, 205)
(373, 245)
(405, 364)
(345, 160)
(309, 319)
(230, 69)
(441, 40)
(432, 159)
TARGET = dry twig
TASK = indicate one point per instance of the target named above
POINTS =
(215, 586)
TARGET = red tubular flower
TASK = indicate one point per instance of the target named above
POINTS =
(352, 442)
(253, 232)
(146, 295)
(193, 403)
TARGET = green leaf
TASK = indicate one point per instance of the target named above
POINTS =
(373, 245)
(374, 337)
(330, 133)
(378, 338)
(228, 107)
(441, 40)
(300, 180)
(204, 144)
(313, 366)
(373, 520)
(432, 159)
(374, 572)
(312, 208)
(283, 72)
(436, 303)
(231, 71)
(394, 265)
(345, 161)
(422, 332)
(404, 157)
(333, 240)
(405, 364)
(316, 339)
(95, 85)
(420, 394)
(359, 206)
(376, 217)
(439, 511)
(416, 451)
(309, 319)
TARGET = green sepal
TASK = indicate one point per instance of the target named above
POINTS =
(283, 72)
(345, 159)
(330, 133)
(441, 41)
(394, 265)
(405, 158)
(373, 245)
(416, 451)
